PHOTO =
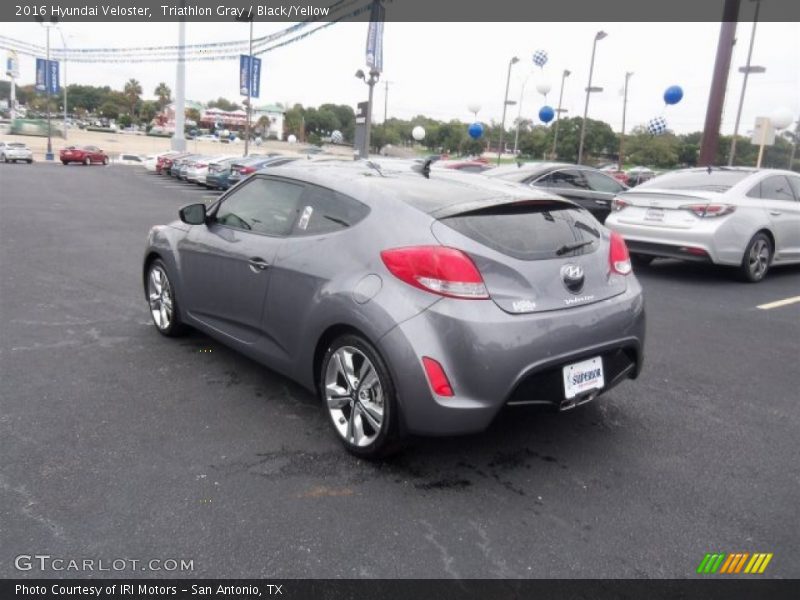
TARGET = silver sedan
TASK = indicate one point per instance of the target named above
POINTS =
(747, 218)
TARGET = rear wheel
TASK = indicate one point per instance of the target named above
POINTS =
(757, 259)
(359, 397)
(105, 160)
(64, 162)
(87, 161)
(161, 298)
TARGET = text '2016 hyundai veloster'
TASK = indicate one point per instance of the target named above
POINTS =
(412, 303)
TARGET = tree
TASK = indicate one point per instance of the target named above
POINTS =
(109, 110)
(163, 94)
(148, 110)
(224, 104)
(643, 148)
(133, 92)
(293, 120)
(192, 114)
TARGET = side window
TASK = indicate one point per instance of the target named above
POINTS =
(795, 183)
(602, 183)
(261, 205)
(776, 188)
(323, 211)
(568, 179)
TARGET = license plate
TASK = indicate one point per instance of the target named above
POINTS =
(654, 214)
(583, 376)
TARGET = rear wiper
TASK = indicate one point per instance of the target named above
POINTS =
(570, 247)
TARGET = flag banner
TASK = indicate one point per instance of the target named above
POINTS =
(41, 74)
(249, 75)
(52, 77)
(375, 37)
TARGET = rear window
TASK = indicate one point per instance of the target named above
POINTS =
(715, 181)
(16, 145)
(531, 230)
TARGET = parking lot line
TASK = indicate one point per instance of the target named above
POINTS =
(779, 303)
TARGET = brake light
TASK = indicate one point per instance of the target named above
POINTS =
(705, 211)
(437, 377)
(200, 165)
(618, 258)
(246, 170)
(437, 269)
(618, 204)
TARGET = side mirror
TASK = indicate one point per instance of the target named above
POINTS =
(193, 214)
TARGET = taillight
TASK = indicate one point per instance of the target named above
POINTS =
(705, 211)
(618, 204)
(246, 170)
(200, 165)
(437, 269)
(437, 377)
(618, 258)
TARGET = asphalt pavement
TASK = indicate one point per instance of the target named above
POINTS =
(117, 443)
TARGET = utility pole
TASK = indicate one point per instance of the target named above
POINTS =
(589, 89)
(511, 63)
(386, 101)
(559, 110)
(47, 77)
(620, 160)
(716, 97)
(747, 70)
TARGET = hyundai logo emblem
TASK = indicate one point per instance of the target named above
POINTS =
(572, 276)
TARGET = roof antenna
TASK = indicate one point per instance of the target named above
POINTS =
(424, 168)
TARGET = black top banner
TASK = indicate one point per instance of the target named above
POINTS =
(401, 589)
(396, 10)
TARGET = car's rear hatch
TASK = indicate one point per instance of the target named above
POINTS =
(663, 209)
(534, 255)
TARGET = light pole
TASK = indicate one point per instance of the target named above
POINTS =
(598, 36)
(179, 137)
(620, 160)
(249, 88)
(64, 44)
(747, 69)
(47, 74)
(519, 111)
(373, 79)
(514, 60)
(559, 110)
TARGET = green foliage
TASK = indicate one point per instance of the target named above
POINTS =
(163, 94)
(224, 104)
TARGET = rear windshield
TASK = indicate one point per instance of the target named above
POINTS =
(16, 145)
(531, 231)
(715, 181)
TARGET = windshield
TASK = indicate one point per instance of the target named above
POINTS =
(716, 180)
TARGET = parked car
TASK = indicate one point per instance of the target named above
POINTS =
(167, 161)
(15, 151)
(588, 187)
(639, 175)
(155, 162)
(410, 305)
(130, 159)
(178, 169)
(242, 169)
(746, 218)
(86, 155)
(218, 172)
(465, 166)
(198, 169)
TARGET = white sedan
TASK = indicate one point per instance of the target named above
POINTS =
(747, 218)
(14, 151)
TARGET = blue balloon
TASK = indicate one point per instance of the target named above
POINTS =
(673, 94)
(475, 131)
(546, 114)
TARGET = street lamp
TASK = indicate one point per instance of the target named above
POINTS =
(64, 44)
(519, 111)
(620, 159)
(559, 110)
(589, 89)
(514, 60)
(48, 25)
(373, 79)
(747, 69)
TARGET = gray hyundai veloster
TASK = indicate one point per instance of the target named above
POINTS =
(412, 301)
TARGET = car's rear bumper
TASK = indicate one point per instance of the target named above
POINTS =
(493, 359)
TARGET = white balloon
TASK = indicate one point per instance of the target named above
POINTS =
(781, 118)
(543, 87)
(474, 107)
(418, 133)
(292, 139)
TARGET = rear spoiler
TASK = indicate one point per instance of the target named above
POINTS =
(503, 205)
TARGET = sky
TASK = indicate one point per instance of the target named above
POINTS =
(438, 69)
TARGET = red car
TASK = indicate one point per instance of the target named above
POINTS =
(83, 154)
(164, 161)
(466, 166)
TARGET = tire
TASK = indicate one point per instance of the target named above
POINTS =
(87, 161)
(366, 418)
(163, 307)
(641, 260)
(5, 159)
(30, 161)
(757, 259)
(65, 162)
(105, 160)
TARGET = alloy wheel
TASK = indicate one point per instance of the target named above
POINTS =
(159, 294)
(758, 259)
(354, 396)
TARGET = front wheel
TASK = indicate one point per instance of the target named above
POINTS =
(105, 160)
(161, 298)
(757, 259)
(359, 397)
(87, 161)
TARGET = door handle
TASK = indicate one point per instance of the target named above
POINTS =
(775, 213)
(258, 264)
